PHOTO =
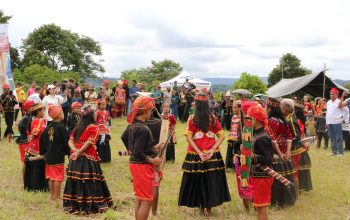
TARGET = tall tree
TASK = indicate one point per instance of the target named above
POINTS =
(288, 67)
(3, 18)
(15, 58)
(62, 50)
(253, 83)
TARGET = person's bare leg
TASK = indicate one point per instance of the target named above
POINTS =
(296, 186)
(144, 210)
(155, 200)
(247, 203)
(52, 190)
(208, 212)
(137, 207)
(262, 213)
(57, 192)
(203, 212)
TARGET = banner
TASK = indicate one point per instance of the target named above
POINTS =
(5, 61)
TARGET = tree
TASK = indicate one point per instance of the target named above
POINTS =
(42, 74)
(15, 58)
(156, 73)
(291, 67)
(250, 82)
(62, 50)
(3, 18)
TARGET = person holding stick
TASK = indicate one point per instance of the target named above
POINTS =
(138, 139)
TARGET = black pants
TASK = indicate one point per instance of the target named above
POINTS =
(346, 137)
(227, 121)
(180, 111)
(17, 111)
(321, 135)
(65, 113)
(186, 112)
(9, 123)
(158, 107)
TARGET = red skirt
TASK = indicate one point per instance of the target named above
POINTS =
(22, 151)
(262, 191)
(55, 172)
(296, 161)
(142, 179)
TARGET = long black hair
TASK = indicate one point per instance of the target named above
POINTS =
(299, 113)
(85, 121)
(275, 112)
(202, 116)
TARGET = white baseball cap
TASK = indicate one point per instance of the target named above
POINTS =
(51, 87)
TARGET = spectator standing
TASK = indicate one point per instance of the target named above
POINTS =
(174, 104)
(21, 98)
(8, 102)
(52, 98)
(31, 90)
(167, 95)
(35, 96)
(345, 103)
(182, 102)
(133, 91)
(127, 97)
(321, 130)
(157, 96)
(334, 122)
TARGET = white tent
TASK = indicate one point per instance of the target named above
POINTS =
(182, 78)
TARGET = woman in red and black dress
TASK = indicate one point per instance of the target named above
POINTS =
(34, 168)
(86, 189)
(281, 135)
(204, 183)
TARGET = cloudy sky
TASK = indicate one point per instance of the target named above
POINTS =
(209, 38)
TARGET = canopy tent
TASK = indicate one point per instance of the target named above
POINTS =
(181, 78)
(311, 84)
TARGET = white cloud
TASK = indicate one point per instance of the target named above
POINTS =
(209, 38)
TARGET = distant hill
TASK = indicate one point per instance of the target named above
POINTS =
(228, 81)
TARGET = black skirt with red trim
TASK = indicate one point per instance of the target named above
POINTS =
(34, 175)
(104, 150)
(282, 195)
(204, 184)
(305, 182)
(86, 189)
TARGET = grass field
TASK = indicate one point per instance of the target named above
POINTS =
(330, 198)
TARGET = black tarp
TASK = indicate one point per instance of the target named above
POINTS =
(311, 84)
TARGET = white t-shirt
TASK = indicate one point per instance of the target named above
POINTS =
(47, 100)
(35, 97)
(334, 113)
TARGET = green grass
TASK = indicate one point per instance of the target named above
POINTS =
(330, 198)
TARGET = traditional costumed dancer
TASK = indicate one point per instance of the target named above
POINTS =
(54, 146)
(24, 129)
(204, 183)
(118, 110)
(86, 189)
(281, 135)
(7, 107)
(138, 139)
(103, 147)
(34, 168)
(304, 175)
(234, 138)
(262, 155)
(74, 117)
(170, 149)
(287, 108)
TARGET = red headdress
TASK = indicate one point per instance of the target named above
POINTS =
(54, 111)
(334, 90)
(246, 105)
(258, 113)
(5, 86)
(202, 95)
(141, 103)
(125, 82)
(105, 82)
(27, 105)
(76, 105)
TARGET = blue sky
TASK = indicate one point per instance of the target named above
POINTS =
(209, 38)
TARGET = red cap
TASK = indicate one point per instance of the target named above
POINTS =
(5, 86)
(105, 82)
(125, 82)
(335, 91)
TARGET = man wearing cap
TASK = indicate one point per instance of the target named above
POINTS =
(7, 108)
(52, 98)
(334, 122)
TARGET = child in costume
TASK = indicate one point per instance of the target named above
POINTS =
(74, 117)
(54, 146)
(103, 147)
(86, 189)
(119, 109)
(204, 183)
(262, 155)
(321, 130)
(234, 138)
(138, 139)
(34, 168)
(170, 149)
(24, 129)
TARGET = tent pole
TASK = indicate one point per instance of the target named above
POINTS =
(324, 79)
